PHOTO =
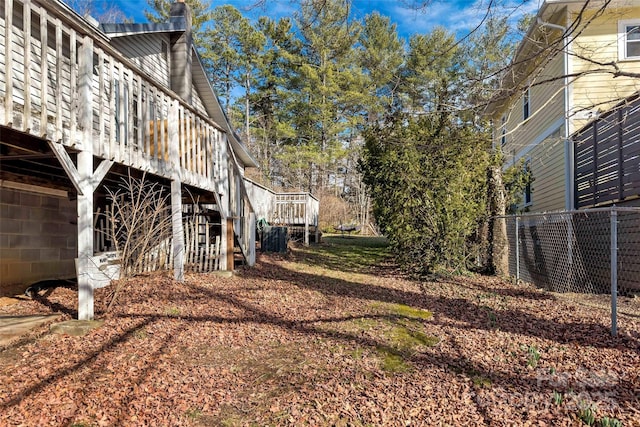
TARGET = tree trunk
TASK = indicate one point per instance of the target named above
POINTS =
(498, 243)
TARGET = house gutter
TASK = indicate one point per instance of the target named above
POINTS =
(569, 161)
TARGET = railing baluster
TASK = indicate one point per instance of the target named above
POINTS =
(44, 76)
(27, 125)
(73, 84)
(58, 88)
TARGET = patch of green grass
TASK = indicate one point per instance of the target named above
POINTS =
(346, 254)
(140, 333)
(365, 323)
(481, 381)
(172, 311)
(394, 363)
(358, 353)
(193, 413)
(410, 312)
(407, 339)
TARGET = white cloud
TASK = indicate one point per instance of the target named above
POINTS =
(459, 17)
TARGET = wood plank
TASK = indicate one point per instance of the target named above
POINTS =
(85, 235)
(112, 108)
(103, 144)
(145, 140)
(8, 38)
(58, 89)
(44, 72)
(27, 122)
(85, 92)
(68, 166)
(122, 112)
(139, 135)
(73, 54)
(229, 246)
(130, 145)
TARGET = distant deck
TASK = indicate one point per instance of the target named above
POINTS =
(294, 209)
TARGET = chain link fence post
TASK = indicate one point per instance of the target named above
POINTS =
(614, 272)
(517, 239)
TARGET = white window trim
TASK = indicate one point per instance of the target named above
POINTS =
(526, 96)
(523, 151)
(622, 39)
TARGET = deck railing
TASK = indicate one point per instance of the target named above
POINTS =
(42, 93)
(296, 209)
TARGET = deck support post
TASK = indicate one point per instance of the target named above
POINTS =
(252, 239)
(177, 241)
(85, 180)
(307, 211)
(85, 235)
(228, 239)
(178, 231)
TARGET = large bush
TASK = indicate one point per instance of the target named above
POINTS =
(428, 185)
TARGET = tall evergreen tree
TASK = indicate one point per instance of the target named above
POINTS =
(381, 55)
(328, 36)
(271, 99)
(200, 11)
(223, 50)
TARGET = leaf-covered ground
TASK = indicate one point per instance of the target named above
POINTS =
(327, 335)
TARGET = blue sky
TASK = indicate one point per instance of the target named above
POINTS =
(459, 16)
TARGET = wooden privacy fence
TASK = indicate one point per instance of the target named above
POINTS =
(202, 253)
(607, 153)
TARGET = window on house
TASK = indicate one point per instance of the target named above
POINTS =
(526, 107)
(629, 39)
(527, 189)
(164, 47)
(503, 130)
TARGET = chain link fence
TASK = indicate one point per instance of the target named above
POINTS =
(587, 251)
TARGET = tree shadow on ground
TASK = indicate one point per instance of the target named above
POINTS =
(473, 317)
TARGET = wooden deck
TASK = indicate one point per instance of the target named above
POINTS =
(69, 86)
(68, 96)
(294, 209)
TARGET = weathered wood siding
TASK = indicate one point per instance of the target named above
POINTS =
(149, 52)
(130, 110)
(196, 101)
(263, 199)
